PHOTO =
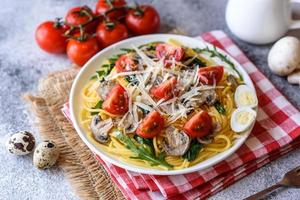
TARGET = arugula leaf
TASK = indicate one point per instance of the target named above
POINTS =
(150, 46)
(140, 150)
(197, 61)
(97, 106)
(220, 108)
(193, 151)
(147, 143)
(127, 50)
(215, 53)
(104, 71)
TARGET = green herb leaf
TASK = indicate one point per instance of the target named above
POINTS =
(127, 50)
(132, 79)
(215, 53)
(140, 150)
(97, 106)
(220, 108)
(193, 151)
(150, 46)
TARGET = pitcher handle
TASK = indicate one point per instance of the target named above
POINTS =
(295, 24)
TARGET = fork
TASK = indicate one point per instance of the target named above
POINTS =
(290, 179)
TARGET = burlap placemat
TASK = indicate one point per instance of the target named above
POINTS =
(87, 177)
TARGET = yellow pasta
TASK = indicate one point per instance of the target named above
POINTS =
(222, 139)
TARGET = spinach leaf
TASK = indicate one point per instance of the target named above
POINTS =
(220, 108)
(193, 151)
(97, 106)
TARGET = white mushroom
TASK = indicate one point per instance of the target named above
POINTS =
(100, 128)
(176, 142)
(284, 56)
(294, 78)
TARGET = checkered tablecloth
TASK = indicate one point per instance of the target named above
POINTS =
(275, 133)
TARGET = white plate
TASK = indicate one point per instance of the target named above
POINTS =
(95, 62)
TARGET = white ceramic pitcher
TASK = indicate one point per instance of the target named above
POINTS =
(260, 21)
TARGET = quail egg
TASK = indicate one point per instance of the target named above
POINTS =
(242, 118)
(245, 97)
(45, 155)
(20, 143)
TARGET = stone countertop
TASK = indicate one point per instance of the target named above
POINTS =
(22, 63)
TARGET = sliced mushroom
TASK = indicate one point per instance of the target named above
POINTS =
(104, 88)
(100, 128)
(209, 97)
(232, 81)
(176, 142)
(209, 138)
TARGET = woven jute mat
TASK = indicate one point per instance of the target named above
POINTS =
(87, 177)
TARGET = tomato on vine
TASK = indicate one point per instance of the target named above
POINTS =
(81, 49)
(82, 16)
(50, 36)
(143, 20)
(111, 32)
(116, 7)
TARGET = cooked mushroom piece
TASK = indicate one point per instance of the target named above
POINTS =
(104, 88)
(209, 97)
(100, 128)
(232, 81)
(176, 142)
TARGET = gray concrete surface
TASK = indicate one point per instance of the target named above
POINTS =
(22, 63)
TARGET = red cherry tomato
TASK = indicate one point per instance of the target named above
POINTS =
(211, 75)
(117, 101)
(125, 63)
(165, 90)
(110, 33)
(81, 51)
(168, 52)
(103, 6)
(50, 37)
(199, 125)
(80, 15)
(151, 125)
(143, 20)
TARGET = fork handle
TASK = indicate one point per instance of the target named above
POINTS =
(262, 193)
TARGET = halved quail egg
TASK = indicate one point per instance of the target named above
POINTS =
(245, 97)
(242, 118)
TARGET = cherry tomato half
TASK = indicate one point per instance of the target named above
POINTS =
(168, 51)
(81, 51)
(151, 125)
(125, 63)
(50, 37)
(199, 125)
(110, 33)
(80, 15)
(211, 75)
(117, 101)
(103, 6)
(143, 20)
(165, 90)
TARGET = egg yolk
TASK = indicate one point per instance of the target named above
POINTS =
(247, 98)
(244, 117)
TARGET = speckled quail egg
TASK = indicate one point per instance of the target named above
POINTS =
(45, 155)
(20, 143)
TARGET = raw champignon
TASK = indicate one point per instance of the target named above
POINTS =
(176, 142)
(232, 81)
(104, 88)
(101, 128)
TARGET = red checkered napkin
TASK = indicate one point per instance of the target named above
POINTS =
(275, 133)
